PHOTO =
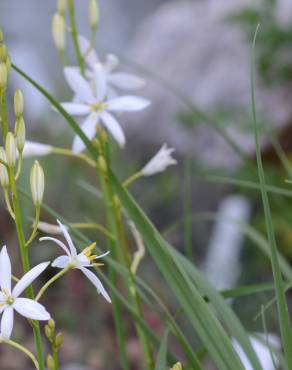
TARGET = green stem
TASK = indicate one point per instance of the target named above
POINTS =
(24, 350)
(56, 358)
(19, 164)
(35, 226)
(187, 209)
(4, 119)
(8, 204)
(129, 181)
(25, 263)
(51, 281)
(75, 36)
(69, 153)
(102, 229)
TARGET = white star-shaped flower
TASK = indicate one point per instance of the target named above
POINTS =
(81, 261)
(160, 161)
(93, 103)
(115, 80)
(10, 300)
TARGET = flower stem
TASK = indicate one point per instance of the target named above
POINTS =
(8, 204)
(129, 181)
(35, 226)
(102, 229)
(51, 281)
(75, 36)
(19, 164)
(69, 153)
(25, 262)
(24, 350)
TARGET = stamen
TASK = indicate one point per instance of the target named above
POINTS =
(88, 250)
(97, 264)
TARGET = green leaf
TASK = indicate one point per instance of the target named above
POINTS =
(161, 363)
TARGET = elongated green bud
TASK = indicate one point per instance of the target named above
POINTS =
(20, 133)
(10, 149)
(102, 163)
(3, 75)
(59, 339)
(177, 366)
(52, 324)
(1, 36)
(93, 13)
(50, 362)
(3, 53)
(59, 31)
(4, 179)
(8, 64)
(37, 183)
(61, 6)
(18, 103)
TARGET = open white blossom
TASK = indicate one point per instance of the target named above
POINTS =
(81, 261)
(33, 148)
(115, 80)
(10, 300)
(160, 161)
(93, 103)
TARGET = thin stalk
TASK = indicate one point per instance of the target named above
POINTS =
(24, 350)
(75, 36)
(25, 263)
(102, 229)
(4, 119)
(129, 181)
(35, 226)
(69, 153)
(56, 358)
(51, 281)
(8, 204)
(284, 319)
(19, 164)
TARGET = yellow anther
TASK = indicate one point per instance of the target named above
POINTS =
(97, 264)
(93, 257)
(88, 250)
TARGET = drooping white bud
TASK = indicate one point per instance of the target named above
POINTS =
(20, 134)
(34, 149)
(49, 228)
(3, 75)
(61, 6)
(18, 103)
(159, 162)
(10, 149)
(4, 179)
(93, 13)
(59, 31)
(37, 183)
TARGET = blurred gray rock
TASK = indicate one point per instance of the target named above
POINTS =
(203, 59)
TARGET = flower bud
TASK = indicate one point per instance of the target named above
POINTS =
(177, 366)
(37, 183)
(8, 64)
(52, 324)
(3, 75)
(3, 53)
(10, 149)
(93, 13)
(18, 103)
(59, 339)
(50, 362)
(59, 31)
(1, 35)
(20, 133)
(4, 179)
(102, 164)
(61, 6)
(48, 332)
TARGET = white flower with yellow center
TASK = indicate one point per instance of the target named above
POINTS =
(81, 261)
(93, 103)
(115, 80)
(10, 300)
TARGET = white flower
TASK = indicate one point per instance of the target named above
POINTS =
(120, 80)
(32, 148)
(81, 261)
(9, 299)
(94, 104)
(159, 162)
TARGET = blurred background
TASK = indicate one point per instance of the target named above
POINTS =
(195, 56)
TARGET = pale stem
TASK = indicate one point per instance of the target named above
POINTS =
(8, 204)
(22, 349)
(102, 229)
(129, 181)
(35, 226)
(69, 153)
(19, 164)
(51, 281)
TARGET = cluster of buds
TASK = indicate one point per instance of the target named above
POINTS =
(5, 63)
(56, 342)
(59, 26)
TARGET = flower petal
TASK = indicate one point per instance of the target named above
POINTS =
(61, 262)
(89, 129)
(76, 108)
(31, 309)
(68, 239)
(7, 323)
(87, 51)
(96, 282)
(28, 278)
(113, 127)
(127, 103)
(58, 242)
(126, 81)
(79, 85)
(100, 81)
(5, 270)
(32, 148)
